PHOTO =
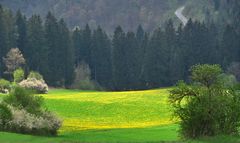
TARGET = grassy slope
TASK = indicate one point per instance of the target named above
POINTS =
(139, 116)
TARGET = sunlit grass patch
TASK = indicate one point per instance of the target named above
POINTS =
(83, 110)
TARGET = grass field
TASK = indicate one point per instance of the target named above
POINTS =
(89, 116)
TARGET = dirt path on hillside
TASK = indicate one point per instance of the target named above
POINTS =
(179, 14)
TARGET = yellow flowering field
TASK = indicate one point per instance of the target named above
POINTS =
(84, 110)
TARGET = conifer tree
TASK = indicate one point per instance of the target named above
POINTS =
(101, 58)
(142, 41)
(156, 62)
(230, 46)
(85, 49)
(133, 61)
(21, 25)
(76, 39)
(3, 40)
(55, 76)
(37, 51)
(118, 59)
(173, 53)
(11, 32)
(66, 54)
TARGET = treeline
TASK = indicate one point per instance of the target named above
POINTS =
(124, 61)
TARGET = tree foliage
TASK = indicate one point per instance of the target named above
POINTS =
(207, 106)
(18, 75)
(14, 60)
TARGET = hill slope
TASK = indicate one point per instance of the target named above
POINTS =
(127, 13)
(107, 13)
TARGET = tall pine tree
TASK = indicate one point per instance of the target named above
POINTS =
(36, 52)
(76, 39)
(21, 25)
(118, 59)
(173, 51)
(101, 58)
(55, 75)
(229, 46)
(133, 61)
(3, 40)
(66, 54)
(142, 41)
(85, 48)
(156, 61)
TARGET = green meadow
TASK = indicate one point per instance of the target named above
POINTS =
(90, 116)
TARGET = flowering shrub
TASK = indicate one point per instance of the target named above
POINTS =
(24, 122)
(32, 83)
(23, 112)
(4, 86)
(5, 116)
(35, 75)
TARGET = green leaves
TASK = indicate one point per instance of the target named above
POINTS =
(208, 105)
(205, 74)
(18, 75)
(24, 99)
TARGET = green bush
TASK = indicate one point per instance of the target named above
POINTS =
(5, 116)
(18, 75)
(209, 105)
(4, 86)
(35, 75)
(28, 114)
(24, 99)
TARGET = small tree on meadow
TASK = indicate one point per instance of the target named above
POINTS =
(207, 106)
(18, 75)
(83, 78)
(13, 60)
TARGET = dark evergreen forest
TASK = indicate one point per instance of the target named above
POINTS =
(128, 60)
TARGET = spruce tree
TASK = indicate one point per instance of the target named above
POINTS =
(85, 49)
(214, 55)
(76, 39)
(9, 19)
(66, 54)
(118, 59)
(142, 41)
(37, 50)
(3, 40)
(229, 46)
(21, 25)
(133, 61)
(188, 48)
(55, 76)
(156, 62)
(173, 51)
(101, 58)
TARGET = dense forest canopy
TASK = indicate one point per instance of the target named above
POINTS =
(137, 58)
